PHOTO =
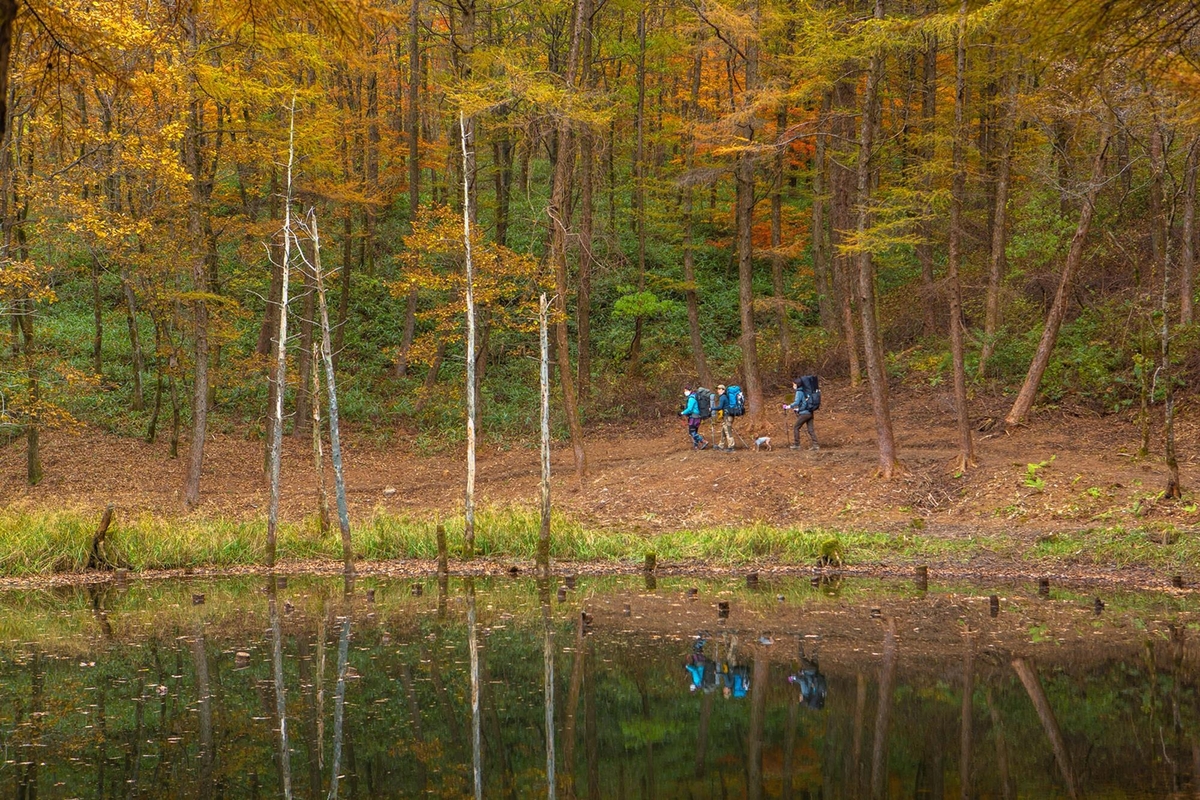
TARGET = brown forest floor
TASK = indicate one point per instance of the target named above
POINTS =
(645, 476)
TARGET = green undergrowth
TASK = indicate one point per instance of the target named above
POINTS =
(45, 542)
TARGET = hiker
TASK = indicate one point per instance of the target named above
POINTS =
(692, 412)
(725, 413)
(804, 404)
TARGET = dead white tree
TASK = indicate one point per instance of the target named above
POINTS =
(310, 229)
(543, 551)
(472, 411)
(281, 351)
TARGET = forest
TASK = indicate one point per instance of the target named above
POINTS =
(994, 196)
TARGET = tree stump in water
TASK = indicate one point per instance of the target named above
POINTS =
(96, 557)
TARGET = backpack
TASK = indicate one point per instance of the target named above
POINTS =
(812, 389)
(703, 403)
(737, 401)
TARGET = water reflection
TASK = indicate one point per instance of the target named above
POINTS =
(615, 692)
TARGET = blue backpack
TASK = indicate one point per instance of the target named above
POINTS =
(737, 401)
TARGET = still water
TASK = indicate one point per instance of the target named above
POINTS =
(685, 688)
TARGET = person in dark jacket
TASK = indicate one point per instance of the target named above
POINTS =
(802, 405)
(691, 411)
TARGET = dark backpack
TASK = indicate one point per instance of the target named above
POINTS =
(811, 386)
(737, 401)
(703, 403)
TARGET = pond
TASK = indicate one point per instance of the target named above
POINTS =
(675, 687)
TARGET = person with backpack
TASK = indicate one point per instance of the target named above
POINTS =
(806, 402)
(729, 405)
(697, 409)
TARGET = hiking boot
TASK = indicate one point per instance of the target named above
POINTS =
(815, 447)
(794, 447)
(720, 447)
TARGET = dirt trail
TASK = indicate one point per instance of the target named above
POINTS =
(646, 477)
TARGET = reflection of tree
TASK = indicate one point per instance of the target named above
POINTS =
(283, 757)
(754, 740)
(1033, 685)
(887, 675)
(339, 707)
(204, 694)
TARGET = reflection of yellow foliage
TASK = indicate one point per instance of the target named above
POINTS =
(505, 287)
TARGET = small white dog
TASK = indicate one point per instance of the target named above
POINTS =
(763, 443)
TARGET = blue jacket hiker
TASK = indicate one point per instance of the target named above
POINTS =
(691, 411)
(802, 404)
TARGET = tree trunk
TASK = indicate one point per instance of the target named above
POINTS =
(1058, 309)
(587, 166)
(842, 185)
(872, 343)
(689, 256)
(414, 118)
(97, 321)
(777, 259)
(305, 399)
(997, 260)
(744, 181)
(639, 188)
(958, 189)
(196, 209)
(33, 452)
(557, 251)
(1187, 250)
(543, 549)
(927, 150)
(465, 126)
(135, 344)
(820, 251)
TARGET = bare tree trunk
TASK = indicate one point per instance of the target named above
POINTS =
(543, 550)
(1187, 250)
(1058, 309)
(689, 256)
(1033, 685)
(559, 222)
(997, 260)
(464, 126)
(966, 448)
(335, 439)
(318, 449)
(842, 185)
(280, 371)
(1173, 490)
(872, 343)
(306, 364)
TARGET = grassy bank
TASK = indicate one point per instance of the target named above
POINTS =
(44, 542)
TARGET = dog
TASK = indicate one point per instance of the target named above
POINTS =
(763, 443)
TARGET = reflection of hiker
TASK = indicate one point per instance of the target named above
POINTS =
(807, 401)
(810, 682)
(734, 676)
(701, 668)
(695, 416)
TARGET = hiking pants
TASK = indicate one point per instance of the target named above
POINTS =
(694, 430)
(726, 431)
(804, 418)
